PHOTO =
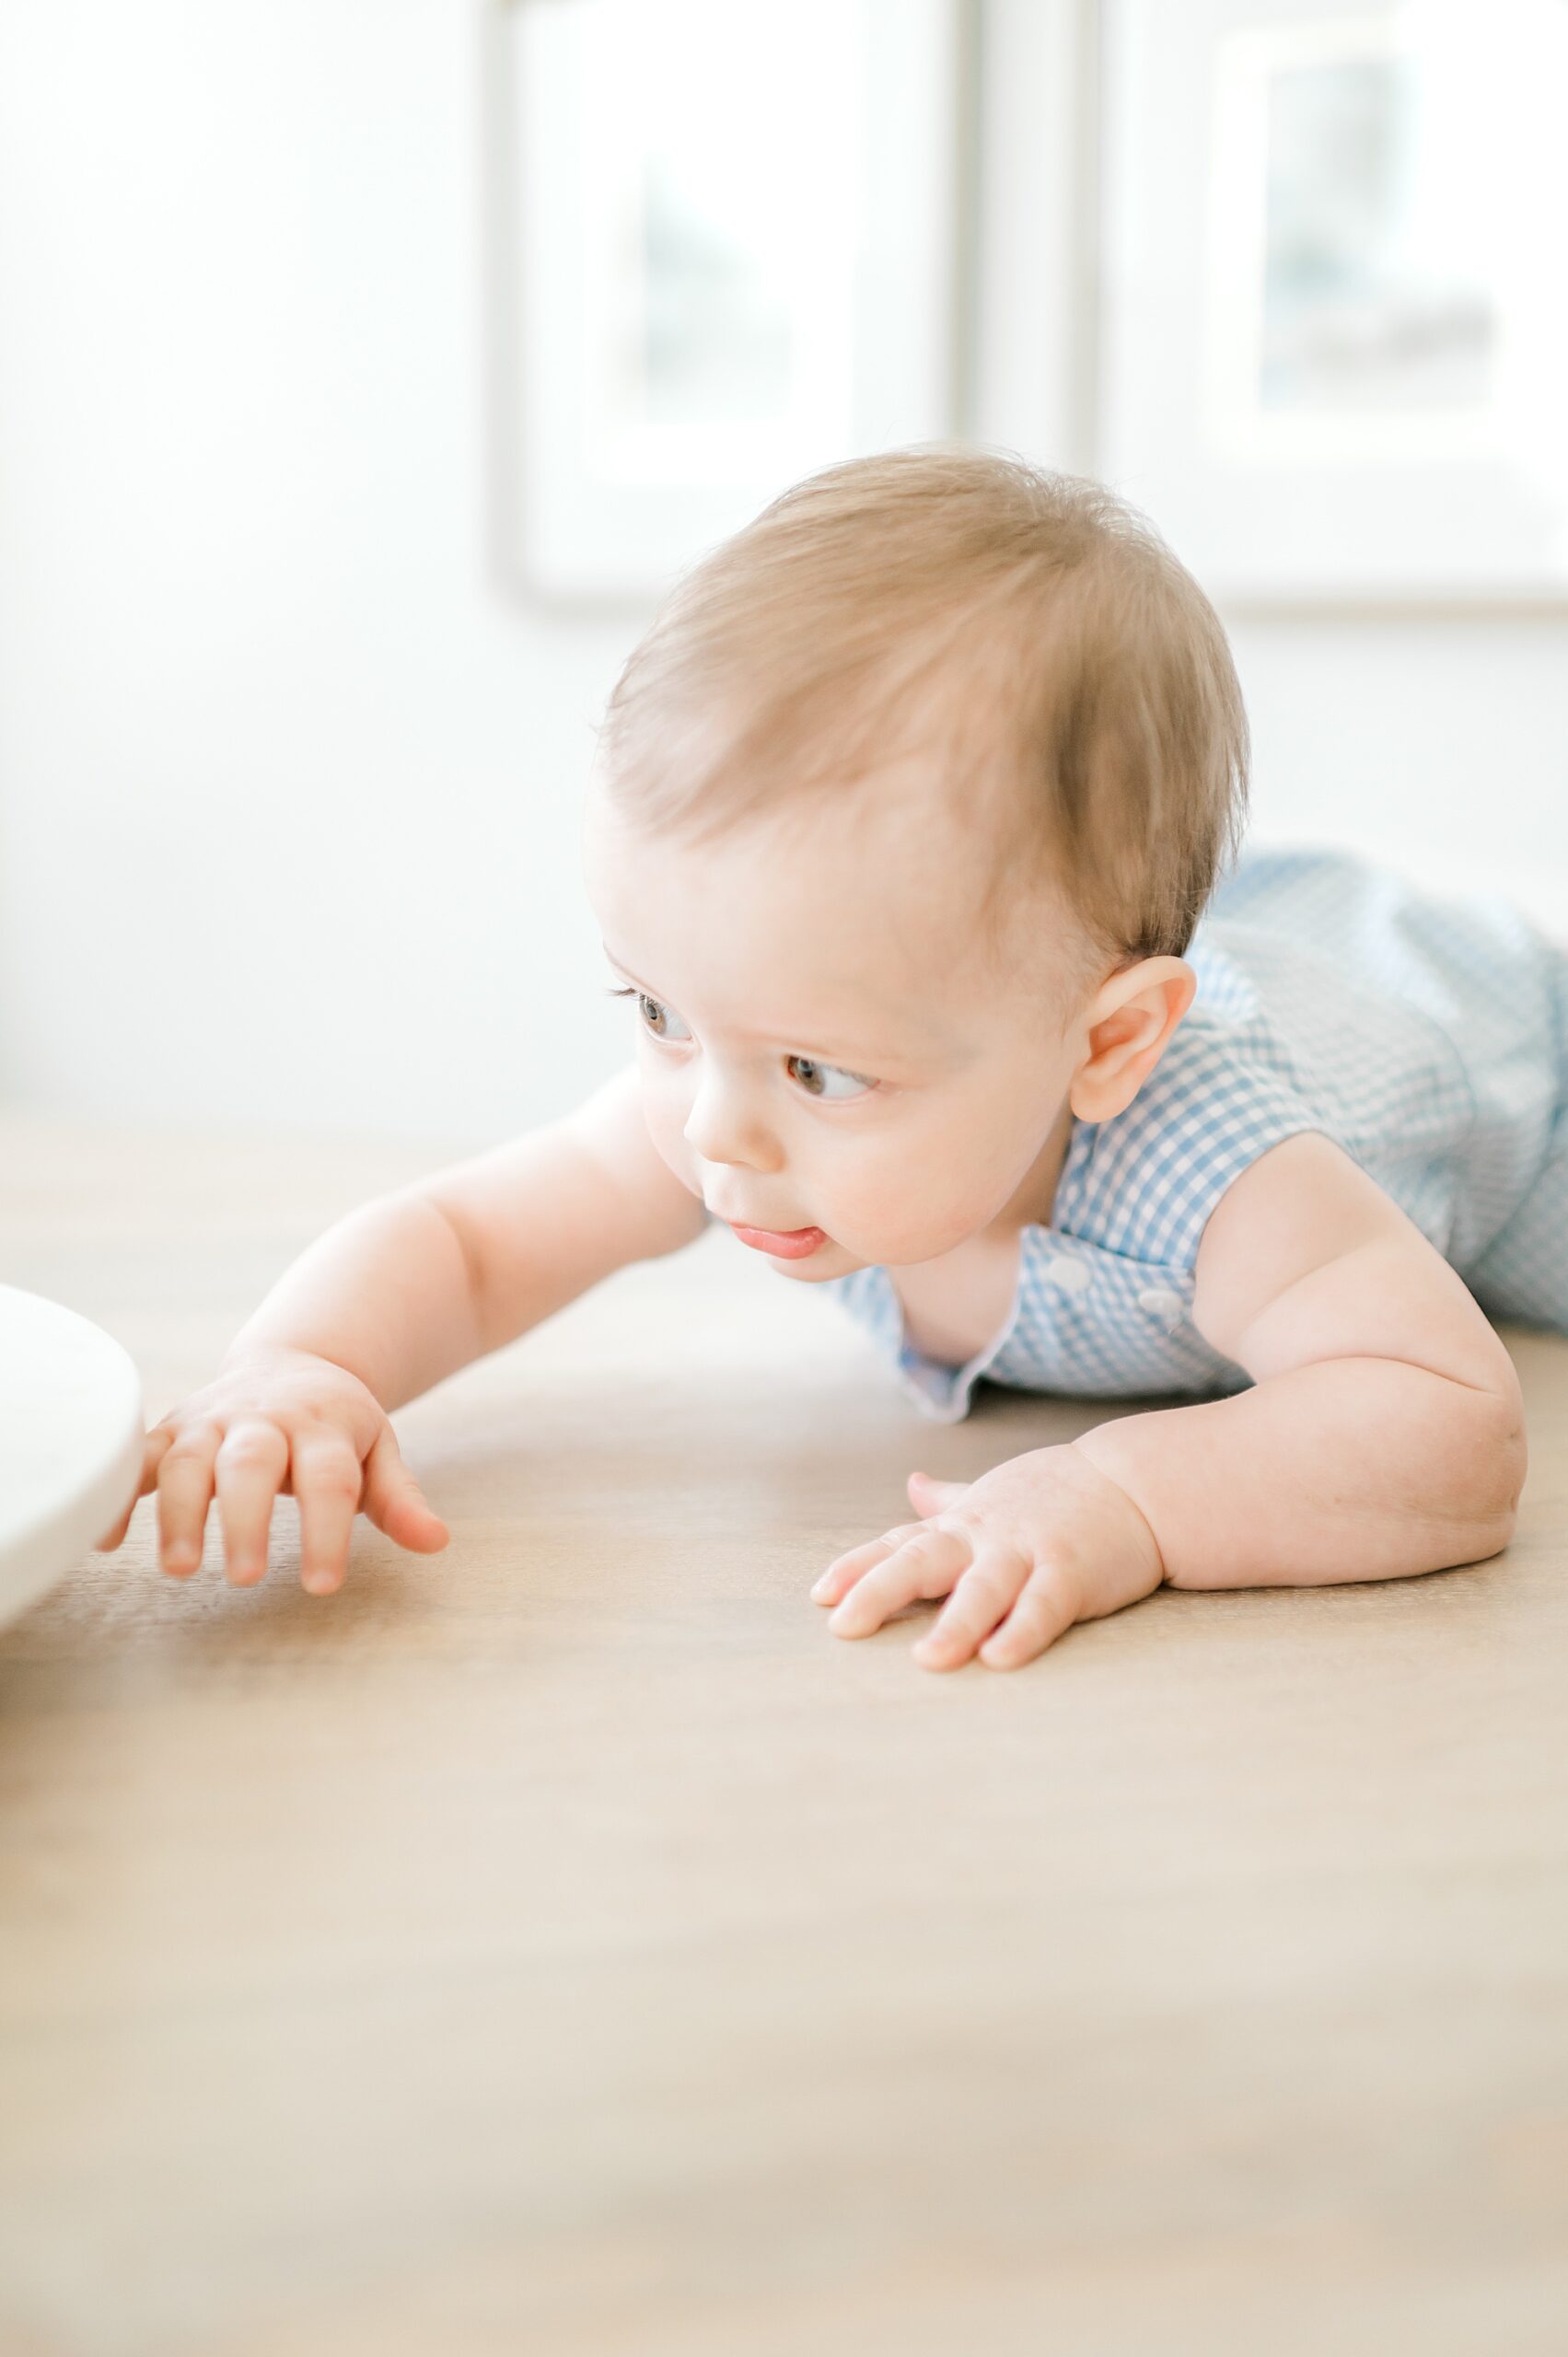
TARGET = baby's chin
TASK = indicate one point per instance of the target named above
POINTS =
(830, 1260)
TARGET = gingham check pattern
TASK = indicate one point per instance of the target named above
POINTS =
(1427, 1037)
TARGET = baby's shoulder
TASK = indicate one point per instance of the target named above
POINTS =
(1225, 1090)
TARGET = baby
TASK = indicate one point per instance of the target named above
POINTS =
(905, 813)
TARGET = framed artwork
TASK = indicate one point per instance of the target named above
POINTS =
(728, 257)
(1335, 333)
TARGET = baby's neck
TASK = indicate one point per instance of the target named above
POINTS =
(1033, 1201)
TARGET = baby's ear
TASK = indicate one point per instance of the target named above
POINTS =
(1129, 1025)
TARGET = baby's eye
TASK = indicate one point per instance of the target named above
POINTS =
(817, 1079)
(661, 1019)
(657, 1017)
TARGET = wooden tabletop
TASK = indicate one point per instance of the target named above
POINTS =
(563, 1944)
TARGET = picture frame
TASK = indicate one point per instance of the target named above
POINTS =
(727, 250)
(1330, 298)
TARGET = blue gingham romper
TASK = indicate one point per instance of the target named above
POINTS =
(1427, 1037)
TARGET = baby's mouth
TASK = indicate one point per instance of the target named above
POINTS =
(785, 1244)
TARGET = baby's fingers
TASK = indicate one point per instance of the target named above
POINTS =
(394, 1501)
(184, 1493)
(324, 1470)
(251, 1468)
(154, 1446)
(986, 1592)
(844, 1569)
(1046, 1610)
(924, 1566)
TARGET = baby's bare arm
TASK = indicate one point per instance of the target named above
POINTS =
(395, 1297)
(541, 1220)
(409, 1288)
(1384, 1433)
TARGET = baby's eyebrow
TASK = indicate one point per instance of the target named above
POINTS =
(849, 1059)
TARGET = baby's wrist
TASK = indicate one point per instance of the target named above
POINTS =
(267, 1350)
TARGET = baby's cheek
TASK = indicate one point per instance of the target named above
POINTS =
(667, 1128)
(912, 1211)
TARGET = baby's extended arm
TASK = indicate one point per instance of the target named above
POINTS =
(395, 1297)
(411, 1287)
(1383, 1434)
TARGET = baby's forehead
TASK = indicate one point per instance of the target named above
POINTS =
(853, 865)
(862, 907)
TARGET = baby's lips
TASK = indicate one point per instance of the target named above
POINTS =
(784, 1244)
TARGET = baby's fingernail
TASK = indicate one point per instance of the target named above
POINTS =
(820, 1588)
(319, 1581)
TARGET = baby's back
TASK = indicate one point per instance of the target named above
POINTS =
(1432, 1031)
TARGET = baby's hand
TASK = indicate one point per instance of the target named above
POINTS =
(1037, 1543)
(284, 1420)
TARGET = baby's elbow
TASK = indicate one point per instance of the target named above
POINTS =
(1499, 1460)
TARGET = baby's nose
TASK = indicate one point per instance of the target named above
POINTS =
(722, 1127)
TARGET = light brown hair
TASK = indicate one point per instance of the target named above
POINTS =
(1028, 629)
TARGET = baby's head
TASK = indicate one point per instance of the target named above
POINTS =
(905, 809)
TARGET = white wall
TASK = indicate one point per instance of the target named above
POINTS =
(1440, 746)
(288, 795)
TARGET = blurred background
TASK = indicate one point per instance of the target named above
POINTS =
(369, 367)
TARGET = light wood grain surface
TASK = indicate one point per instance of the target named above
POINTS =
(564, 1945)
